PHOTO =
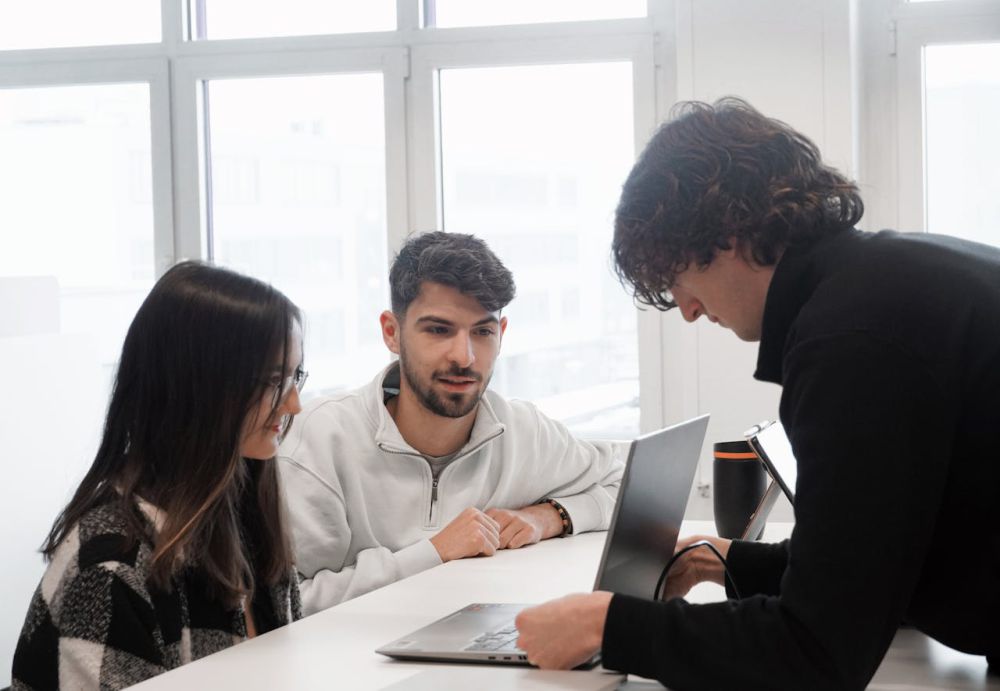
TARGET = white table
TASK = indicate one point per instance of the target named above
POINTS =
(335, 649)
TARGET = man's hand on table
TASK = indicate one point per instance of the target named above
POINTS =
(520, 527)
(563, 633)
(476, 533)
(472, 533)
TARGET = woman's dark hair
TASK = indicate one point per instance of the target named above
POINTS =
(719, 174)
(460, 261)
(195, 363)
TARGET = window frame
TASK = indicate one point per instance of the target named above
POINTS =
(191, 72)
(917, 26)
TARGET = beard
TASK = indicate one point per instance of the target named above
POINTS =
(450, 405)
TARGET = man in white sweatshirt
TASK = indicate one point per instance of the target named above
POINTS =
(425, 464)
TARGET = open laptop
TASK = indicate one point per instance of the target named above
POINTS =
(769, 441)
(651, 502)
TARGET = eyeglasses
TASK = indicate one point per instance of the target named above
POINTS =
(283, 385)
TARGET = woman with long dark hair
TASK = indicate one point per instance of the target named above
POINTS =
(174, 546)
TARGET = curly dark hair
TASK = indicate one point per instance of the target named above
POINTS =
(718, 174)
(457, 260)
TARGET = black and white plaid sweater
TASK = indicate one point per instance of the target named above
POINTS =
(95, 623)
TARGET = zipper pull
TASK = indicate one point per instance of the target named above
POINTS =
(434, 498)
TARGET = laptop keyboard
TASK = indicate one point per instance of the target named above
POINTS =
(502, 638)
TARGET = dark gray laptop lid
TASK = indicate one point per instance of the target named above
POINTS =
(651, 503)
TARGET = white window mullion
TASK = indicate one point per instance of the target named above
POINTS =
(423, 146)
(408, 15)
(652, 403)
(664, 16)
(188, 172)
(910, 131)
(395, 78)
(165, 139)
(173, 14)
(162, 173)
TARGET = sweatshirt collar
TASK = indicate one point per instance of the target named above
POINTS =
(486, 428)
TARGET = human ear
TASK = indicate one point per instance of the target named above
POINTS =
(390, 331)
(502, 328)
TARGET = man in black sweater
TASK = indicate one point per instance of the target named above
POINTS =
(887, 348)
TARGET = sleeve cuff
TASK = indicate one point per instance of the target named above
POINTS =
(629, 635)
(418, 557)
(757, 567)
(584, 511)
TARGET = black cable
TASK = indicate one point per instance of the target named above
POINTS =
(701, 543)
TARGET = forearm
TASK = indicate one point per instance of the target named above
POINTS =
(678, 644)
(546, 517)
(374, 568)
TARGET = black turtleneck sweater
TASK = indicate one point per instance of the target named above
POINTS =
(887, 348)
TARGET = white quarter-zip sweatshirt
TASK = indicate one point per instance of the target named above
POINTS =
(363, 505)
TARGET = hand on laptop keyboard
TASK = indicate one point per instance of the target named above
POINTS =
(502, 638)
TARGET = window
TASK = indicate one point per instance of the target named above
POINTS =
(449, 13)
(298, 199)
(76, 183)
(962, 96)
(251, 18)
(58, 23)
(948, 96)
(533, 158)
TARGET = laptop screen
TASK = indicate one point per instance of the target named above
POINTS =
(771, 445)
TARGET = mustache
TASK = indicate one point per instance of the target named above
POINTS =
(465, 372)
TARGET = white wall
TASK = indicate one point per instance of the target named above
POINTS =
(50, 432)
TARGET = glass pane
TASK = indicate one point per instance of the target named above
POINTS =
(533, 162)
(60, 23)
(76, 227)
(298, 199)
(963, 140)
(446, 13)
(262, 18)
